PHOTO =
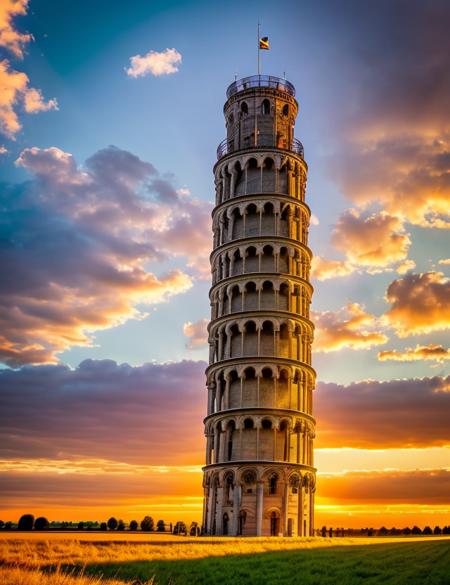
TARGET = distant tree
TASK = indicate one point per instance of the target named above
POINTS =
(406, 531)
(446, 530)
(416, 530)
(112, 523)
(8, 525)
(194, 529)
(120, 525)
(147, 524)
(2, 524)
(180, 528)
(383, 531)
(41, 523)
(427, 530)
(324, 530)
(171, 527)
(437, 530)
(160, 526)
(330, 532)
(133, 525)
(80, 525)
(103, 526)
(26, 522)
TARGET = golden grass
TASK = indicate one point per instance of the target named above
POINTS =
(37, 558)
(20, 576)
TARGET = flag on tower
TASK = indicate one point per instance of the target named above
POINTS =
(264, 43)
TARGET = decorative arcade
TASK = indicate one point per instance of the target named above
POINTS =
(259, 478)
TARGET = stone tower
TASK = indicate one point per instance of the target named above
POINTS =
(259, 478)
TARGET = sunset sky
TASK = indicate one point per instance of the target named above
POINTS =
(110, 115)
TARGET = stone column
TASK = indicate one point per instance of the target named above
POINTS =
(311, 512)
(285, 508)
(210, 509)
(259, 507)
(236, 509)
(219, 514)
(227, 393)
(300, 509)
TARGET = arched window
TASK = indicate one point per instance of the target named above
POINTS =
(266, 423)
(265, 107)
(248, 423)
(244, 108)
(285, 110)
(273, 480)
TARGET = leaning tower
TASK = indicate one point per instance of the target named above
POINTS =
(259, 478)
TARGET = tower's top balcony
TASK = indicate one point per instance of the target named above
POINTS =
(260, 81)
(228, 147)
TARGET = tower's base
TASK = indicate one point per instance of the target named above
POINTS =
(256, 499)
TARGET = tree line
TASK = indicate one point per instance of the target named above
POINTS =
(147, 524)
(383, 531)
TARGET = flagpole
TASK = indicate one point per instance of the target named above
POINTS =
(259, 51)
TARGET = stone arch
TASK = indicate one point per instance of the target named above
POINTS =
(268, 258)
(251, 214)
(267, 383)
(268, 295)
(251, 260)
(235, 298)
(249, 387)
(251, 296)
(265, 107)
(253, 176)
(234, 381)
(267, 337)
(269, 219)
(268, 175)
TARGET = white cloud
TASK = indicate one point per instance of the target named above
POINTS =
(154, 62)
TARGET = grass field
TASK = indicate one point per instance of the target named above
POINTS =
(113, 559)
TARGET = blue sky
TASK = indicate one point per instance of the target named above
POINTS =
(80, 54)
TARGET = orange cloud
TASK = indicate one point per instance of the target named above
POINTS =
(323, 269)
(196, 333)
(76, 492)
(350, 327)
(419, 486)
(15, 91)
(405, 266)
(10, 38)
(406, 174)
(376, 240)
(419, 304)
(383, 415)
(430, 352)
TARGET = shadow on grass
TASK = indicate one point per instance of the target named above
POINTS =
(388, 564)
